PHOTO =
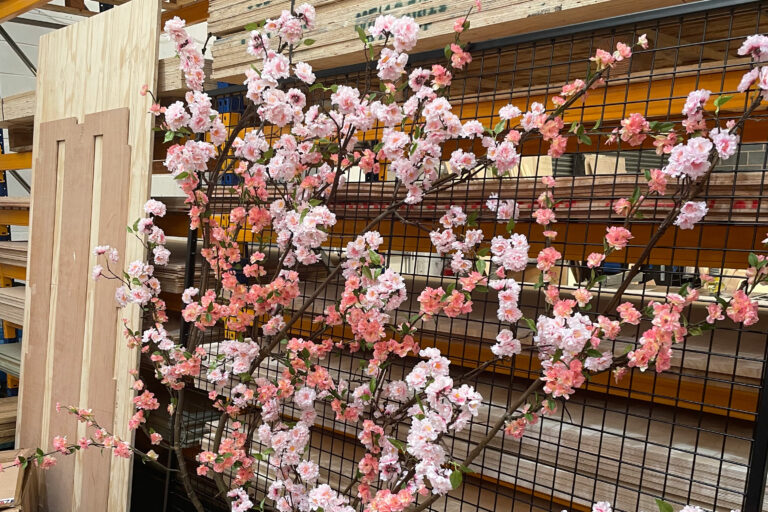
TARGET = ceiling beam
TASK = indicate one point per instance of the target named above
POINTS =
(9, 9)
(196, 12)
(65, 9)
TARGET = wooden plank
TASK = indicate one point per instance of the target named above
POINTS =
(93, 144)
(9, 9)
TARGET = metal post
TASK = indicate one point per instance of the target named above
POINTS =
(758, 459)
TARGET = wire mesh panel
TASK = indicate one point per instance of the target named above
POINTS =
(686, 435)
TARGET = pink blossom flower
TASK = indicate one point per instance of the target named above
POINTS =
(544, 216)
(458, 25)
(629, 314)
(756, 46)
(406, 32)
(742, 308)
(642, 41)
(547, 258)
(658, 182)
(508, 112)
(459, 57)
(714, 313)
(595, 259)
(603, 59)
(725, 142)
(506, 345)
(690, 214)
(622, 206)
(604, 506)
(304, 73)
(618, 237)
(622, 52)
(634, 128)
(60, 444)
(557, 146)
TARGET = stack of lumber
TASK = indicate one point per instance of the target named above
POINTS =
(171, 276)
(8, 419)
(10, 358)
(13, 253)
(170, 79)
(337, 42)
(12, 304)
(14, 203)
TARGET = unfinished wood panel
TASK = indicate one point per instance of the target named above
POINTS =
(338, 44)
(92, 146)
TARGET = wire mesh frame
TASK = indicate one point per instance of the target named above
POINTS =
(608, 437)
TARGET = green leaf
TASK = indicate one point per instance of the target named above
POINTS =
(511, 225)
(485, 251)
(309, 42)
(375, 258)
(597, 124)
(397, 443)
(647, 174)
(316, 86)
(447, 51)
(591, 352)
(695, 331)
(456, 478)
(372, 385)
(722, 100)
(499, 126)
(315, 202)
(449, 289)
(531, 324)
(480, 266)
(753, 261)
(182, 175)
(664, 506)
(367, 273)
(635, 195)
(574, 127)
(168, 136)
(584, 139)
(472, 219)
(361, 35)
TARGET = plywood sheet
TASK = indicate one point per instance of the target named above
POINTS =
(91, 175)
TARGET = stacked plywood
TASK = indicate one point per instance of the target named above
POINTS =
(337, 42)
(12, 304)
(8, 419)
(13, 253)
(8, 408)
(10, 358)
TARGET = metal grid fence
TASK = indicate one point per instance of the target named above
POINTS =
(696, 434)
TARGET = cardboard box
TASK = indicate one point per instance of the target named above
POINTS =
(14, 480)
